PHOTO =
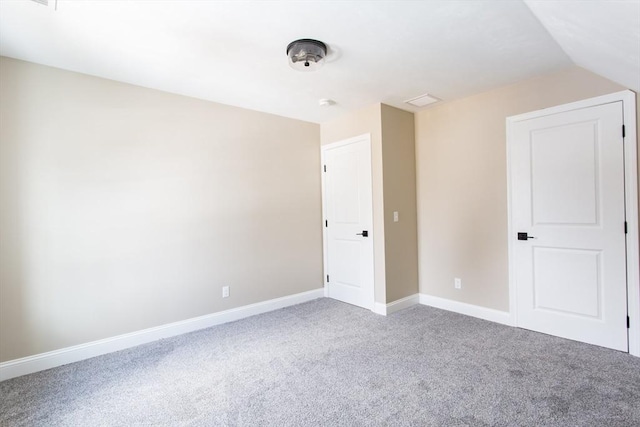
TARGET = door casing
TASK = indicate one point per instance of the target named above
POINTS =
(325, 248)
(631, 204)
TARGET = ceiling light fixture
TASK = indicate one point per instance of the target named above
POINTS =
(306, 54)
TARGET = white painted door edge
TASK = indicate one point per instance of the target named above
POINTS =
(628, 99)
(52, 359)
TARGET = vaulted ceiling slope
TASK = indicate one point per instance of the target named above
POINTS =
(600, 36)
(233, 52)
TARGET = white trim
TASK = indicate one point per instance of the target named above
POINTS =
(628, 99)
(373, 305)
(403, 303)
(633, 234)
(485, 313)
(51, 359)
(380, 308)
(510, 244)
(325, 257)
(397, 305)
(344, 142)
(625, 96)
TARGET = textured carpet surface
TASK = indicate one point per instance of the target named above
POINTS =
(325, 363)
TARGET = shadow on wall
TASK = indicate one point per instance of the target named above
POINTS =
(125, 208)
(17, 316)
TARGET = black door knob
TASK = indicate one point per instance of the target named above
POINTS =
(524, 236)
(364, 233)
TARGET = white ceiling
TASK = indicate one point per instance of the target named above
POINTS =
(601, 36)
(233, 52)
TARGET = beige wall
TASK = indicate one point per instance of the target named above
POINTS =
(399, 170)
(462, 183)
(363, 121)
(125, 208)
(393, 168)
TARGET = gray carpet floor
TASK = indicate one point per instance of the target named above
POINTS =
(325, 363)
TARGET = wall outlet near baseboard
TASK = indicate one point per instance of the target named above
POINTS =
(225, 292)
(457, 283)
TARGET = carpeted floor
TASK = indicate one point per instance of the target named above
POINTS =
(325, 363)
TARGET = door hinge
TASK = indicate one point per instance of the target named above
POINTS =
(326, 223)
(327, 278)
(325, 168)
(623, 132)
(625, 227)
(628, 322)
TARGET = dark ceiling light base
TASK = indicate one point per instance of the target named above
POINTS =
(306, 54)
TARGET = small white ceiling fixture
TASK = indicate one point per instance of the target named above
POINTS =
(422, 100)
(325, 102)
(306, 54)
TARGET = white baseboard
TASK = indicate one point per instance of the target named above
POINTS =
(51, 359)
(403, 303)
(380, 308)
(489, 314)
(397, 305)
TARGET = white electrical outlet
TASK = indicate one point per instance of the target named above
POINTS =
(396, 218)
(457, 283)
(225, 292)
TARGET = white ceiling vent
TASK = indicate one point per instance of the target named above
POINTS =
(422, 100)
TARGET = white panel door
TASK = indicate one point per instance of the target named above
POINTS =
(567, 194)
(349, 221)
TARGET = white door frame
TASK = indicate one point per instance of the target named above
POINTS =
(628, 99)
(325, 242)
